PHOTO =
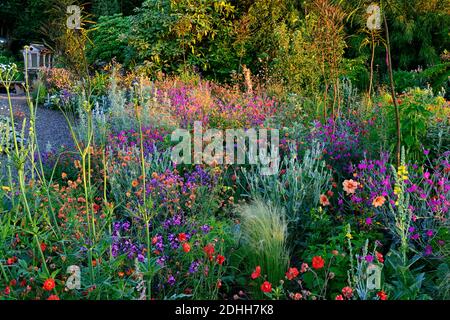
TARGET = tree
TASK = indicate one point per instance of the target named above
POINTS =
(105, 7)
(109, 40)
(170, 35)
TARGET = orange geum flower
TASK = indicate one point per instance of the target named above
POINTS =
(378, 201)
(324, 200)
(350, 186)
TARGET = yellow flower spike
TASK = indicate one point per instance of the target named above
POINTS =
(6, 188)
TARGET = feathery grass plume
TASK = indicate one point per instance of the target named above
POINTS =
(264, 234)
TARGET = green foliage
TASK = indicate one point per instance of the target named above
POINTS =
(7, 135)
(437, 76)
(39, 91)
(105, 7)
(109, 40)
(419, 111)
(171, 34)
(297, 191)
(404, 280)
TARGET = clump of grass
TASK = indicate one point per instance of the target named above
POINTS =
(264, 233)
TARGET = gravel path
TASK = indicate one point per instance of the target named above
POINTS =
(51, 125)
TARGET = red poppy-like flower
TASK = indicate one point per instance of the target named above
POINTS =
(182, 237)
(13, 283)
(318, 262)
(256, 273)
(380, 257)
(53, 297)
(186, 247)
(347, 292)
(7, 291)
(339, 297)
(49, 284)
(43, 246)
(209, 250)
(220, 259)
(297, 296)
(10, 261)
(292, 273)
(266, 286)
(96, 207)
(219, 284)
(382, 295)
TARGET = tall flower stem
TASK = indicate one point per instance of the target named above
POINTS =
(394, 99)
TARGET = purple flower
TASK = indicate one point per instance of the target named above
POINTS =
(369, 258)
(369, 221)
(171, 280)
(161, 261)
(205, 228)
(415, 236)
(193, 268)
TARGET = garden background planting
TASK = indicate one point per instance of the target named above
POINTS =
(340, 110)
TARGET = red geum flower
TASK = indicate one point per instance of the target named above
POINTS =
(380, 257)
(256, 273)
(10, 261)
(43, 246)
(186, 247)
(292, 273)
(53, 297)
(339, 297)
(318, 262)
(297, 296)
(382, 295)
(96, 207)
(209, 250)
(266, 286)
(49, 284)
(220, 259)
(347, 292)
(7, 290)
(182, 237)
(13, 283)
